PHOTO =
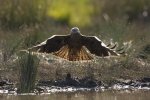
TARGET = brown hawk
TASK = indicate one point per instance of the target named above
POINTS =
(74, 47)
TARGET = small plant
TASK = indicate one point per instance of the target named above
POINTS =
(28, 70)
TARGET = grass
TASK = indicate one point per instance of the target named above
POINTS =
(28, 71)
(106, 70)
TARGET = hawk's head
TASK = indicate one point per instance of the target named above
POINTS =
(75, 30)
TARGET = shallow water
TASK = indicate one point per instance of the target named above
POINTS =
(106, 95)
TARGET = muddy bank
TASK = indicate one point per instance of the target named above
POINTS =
(89, 84)
(70, 84)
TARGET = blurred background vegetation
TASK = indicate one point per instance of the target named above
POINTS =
(15, 13)
(24, 23)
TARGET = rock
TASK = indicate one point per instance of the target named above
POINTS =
(60, 83)
(39, 90)
(2, 83)
(100, 83)
(124, 82)
(71, 81)
(44, 83)
(68, 76)
(88, 82)
(145, 84)
(145, 79)
(5, 82)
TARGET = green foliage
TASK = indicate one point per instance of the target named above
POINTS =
(71, 12)
(28, 71)
(15, 13)
(126, 9)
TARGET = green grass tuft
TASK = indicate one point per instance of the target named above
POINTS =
(28, 70)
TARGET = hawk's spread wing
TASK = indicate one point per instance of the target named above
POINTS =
(97, 47)
(52, 44)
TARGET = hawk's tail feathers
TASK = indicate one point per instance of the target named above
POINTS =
(62, 53)
(71, 55)
(85, 55)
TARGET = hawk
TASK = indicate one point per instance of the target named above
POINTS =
(74, 46)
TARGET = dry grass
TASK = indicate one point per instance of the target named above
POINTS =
(105, 69)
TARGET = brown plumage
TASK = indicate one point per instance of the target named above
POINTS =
(74, 47)
(73, 55)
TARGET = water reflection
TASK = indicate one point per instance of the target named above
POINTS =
(107, 95)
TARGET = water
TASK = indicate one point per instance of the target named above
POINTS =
(106, 95)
